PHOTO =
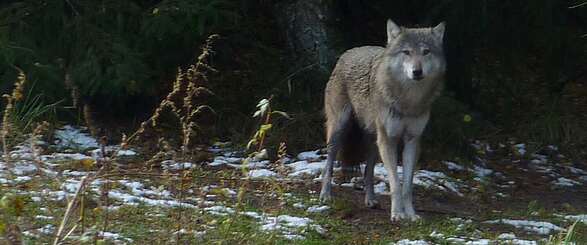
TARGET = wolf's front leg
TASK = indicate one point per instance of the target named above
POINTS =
(414, 128)
(388, 150)
(410, 159)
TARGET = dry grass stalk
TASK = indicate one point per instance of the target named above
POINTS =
(84, 183)
(36, 150)
(281, 156)
(79, 197)
(165, 152)
(7, 118)
(185, 100)
(105, 188)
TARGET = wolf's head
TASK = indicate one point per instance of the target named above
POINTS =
(415, 54)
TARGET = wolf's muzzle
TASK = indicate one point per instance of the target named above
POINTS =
(417, 74)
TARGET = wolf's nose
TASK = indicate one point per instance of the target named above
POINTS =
(417, 74)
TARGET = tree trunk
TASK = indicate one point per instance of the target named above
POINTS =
(304, 25)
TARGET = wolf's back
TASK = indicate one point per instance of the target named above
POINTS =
(350, 83)
(354, 66)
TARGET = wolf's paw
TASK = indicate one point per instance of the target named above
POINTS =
(371, 202)
(401, 216)
(413, 217)
(397, 216)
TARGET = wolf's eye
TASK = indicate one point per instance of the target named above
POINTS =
(406, 52)
(425, 51)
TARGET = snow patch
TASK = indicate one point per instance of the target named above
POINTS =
(288, 225)
(539, 227)
(73, 138)
(299, 205)
(411, 242)
(506, 236)
(275, 223)
(114, 236)
(261, 174)
(129, 199)
(24, 168)
(219, 210)
(318, 209)
(309, 155)
(565, 182)
(482, 172)
(520, 149)
(304, 168)
(437, 180)
(109, 150)
(579, 217)
(576, 170)
(453, 166)
(381, 188)
(223, 160)
(250, 164)
(173, 165)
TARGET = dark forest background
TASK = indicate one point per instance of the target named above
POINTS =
(516, 68)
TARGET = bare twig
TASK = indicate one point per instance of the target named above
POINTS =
(72, 7)
(578, 5)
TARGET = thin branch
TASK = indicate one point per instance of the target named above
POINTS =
(578, 5)
(72, 7)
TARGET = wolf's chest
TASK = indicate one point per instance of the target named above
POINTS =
(411, 101)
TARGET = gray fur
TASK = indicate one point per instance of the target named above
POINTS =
(388, 92)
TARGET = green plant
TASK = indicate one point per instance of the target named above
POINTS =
(22, 112)
(32, 109)
(566, 237)
(265, 113)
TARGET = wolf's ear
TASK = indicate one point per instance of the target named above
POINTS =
(393, 31)
(438, 31)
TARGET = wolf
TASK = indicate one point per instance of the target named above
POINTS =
(379, 97)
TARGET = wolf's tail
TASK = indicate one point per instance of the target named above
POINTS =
(353, 149)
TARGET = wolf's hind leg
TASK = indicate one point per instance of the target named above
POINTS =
(370, 198)
(336, 128)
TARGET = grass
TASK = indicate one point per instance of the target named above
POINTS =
(33, 109)
(347, 222)
(157, 225)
